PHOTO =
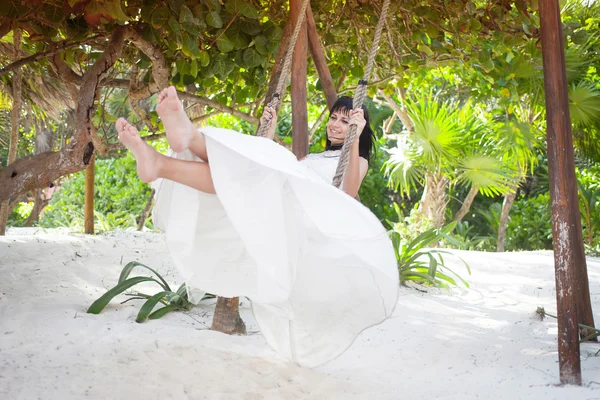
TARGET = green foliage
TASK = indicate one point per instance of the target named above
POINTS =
(172, 301)
(448, 139)
(374, 191)
(119, 197)
(588, 181)
(418, 264)
(530, 225)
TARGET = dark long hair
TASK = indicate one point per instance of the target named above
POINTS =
(365, 144)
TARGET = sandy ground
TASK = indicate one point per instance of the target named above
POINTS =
(484, 342)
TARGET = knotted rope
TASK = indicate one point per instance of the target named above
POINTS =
(359, 97)
(287, 63)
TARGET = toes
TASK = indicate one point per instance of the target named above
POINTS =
(162, 95)
(121, 124)
(171, 91)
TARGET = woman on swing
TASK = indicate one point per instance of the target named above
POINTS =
(243, 217)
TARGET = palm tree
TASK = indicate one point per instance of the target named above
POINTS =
(448, 144)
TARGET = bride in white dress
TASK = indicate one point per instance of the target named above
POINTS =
(243, 217)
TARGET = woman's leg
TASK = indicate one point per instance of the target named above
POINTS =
(181, 133)
(152, 165)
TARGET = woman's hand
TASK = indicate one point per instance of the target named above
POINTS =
(357, 117)
(269, 118)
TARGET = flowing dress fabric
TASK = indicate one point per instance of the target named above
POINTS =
(316, 264)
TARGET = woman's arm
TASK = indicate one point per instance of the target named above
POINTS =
(355, 172)
(357, 166)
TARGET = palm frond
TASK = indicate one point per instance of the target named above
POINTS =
(584, 104)
(487, 173)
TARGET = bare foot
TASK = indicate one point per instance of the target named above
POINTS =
(177, 124)
(147, 159)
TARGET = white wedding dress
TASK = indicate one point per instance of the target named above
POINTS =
(316, 264)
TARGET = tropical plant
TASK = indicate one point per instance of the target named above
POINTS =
(172, 301)
(530, 225)
(449, 143)
(416, 261)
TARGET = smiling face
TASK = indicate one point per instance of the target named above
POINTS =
(338, 126)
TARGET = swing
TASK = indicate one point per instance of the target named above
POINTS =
(318, 267)
(360, 92)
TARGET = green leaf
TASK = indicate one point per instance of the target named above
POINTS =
(190, 45)
(224, 44)
(174, 25)
(214, 19)
(214, 5)
(186, 16)
(252, 58)
(241, 7)
(261, 43)
(204, 58)
(219, 68)
(99, 305)
(126, 271)
(238, 37)
(149, 305)
(194, 68)
(162, 312)
(182, 290)
(274, 33)
(425, 49)
(182, 67)
(252, 28)
(176, 5)
(160, 17)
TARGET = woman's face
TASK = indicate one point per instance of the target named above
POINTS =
(338, 126)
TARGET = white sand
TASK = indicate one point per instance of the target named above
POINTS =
(484, 342)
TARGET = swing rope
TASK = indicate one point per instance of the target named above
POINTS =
(359, 97)
(262, 129)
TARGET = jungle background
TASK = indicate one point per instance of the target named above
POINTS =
(457, 103)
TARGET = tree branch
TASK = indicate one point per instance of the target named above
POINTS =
(42, 169)
(160, 69)
(46, 54)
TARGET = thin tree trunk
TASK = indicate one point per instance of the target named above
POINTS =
(227, 317)
(318, 56)
(146, 211)
(401, 112)
(466, 206)
(299, 90)
(507, 204)
(88, 203)
(17, 83)
(39, 204)
(434, 200)
(566, 223)
(276, 71)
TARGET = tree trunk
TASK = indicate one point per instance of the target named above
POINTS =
(39, 203)
(434, 200)
(88, 200)
(318, 55)
(401, 112)
(509, 199)
(276, 71)
(298, 90)
(39, 171)
(466, 206)
(146, 211)
(227, 317)
(17, 83)
(566, 223)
